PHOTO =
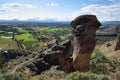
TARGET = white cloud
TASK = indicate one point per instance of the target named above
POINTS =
(52, 4)
(103, 12)
(3, 10)
(7, 10)
(18, 5)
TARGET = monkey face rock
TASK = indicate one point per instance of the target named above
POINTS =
(84, 28)
(85, 24)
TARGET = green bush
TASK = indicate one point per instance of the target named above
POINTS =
(20, 69)
(86, 76)
(30, 65)
(15, 76)
(1, 60)
(52, 74)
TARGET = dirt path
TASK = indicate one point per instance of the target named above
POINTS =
(12, 70)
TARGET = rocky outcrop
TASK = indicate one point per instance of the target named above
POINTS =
(40, 66)
(58, 54)
(84, 28)
(117, 47)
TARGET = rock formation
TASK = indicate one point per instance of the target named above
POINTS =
(84, 28)
(117, 44)
(58, 54)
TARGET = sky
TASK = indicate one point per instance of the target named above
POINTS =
(65, 10)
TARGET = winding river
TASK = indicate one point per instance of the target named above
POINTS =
(98, 56)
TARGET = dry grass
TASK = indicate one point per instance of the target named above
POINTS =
(109, 52)
(7, 43)
(114, 55)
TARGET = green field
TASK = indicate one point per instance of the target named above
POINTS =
(55, 30)
(7, 43)
(27, 38)
(22, 30)
(2, 35)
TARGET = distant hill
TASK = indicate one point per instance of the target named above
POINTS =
(13, 20)
(107, 24)
(110, 22)
(112, 27)
(34, 21)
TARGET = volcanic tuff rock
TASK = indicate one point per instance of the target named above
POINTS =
(117, 47)
(84, 28)
(58, 54)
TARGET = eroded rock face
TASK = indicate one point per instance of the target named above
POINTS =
(84, 28)
(58, 54)
(117, 47)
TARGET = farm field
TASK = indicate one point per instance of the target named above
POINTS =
(22, 30)
(7, 43)
(28, 40)
(55, 30)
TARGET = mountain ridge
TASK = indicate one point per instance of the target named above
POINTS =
(54, 20)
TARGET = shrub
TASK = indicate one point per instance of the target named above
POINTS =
(86, 76)
(15, 76)
(1, 60)
(30, 65)
(35, 78)
(20, 69)
(52, 73)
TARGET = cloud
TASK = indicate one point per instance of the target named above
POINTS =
(52, 4)
(18, 5)
(3, 10)
(103, 12)
(7, 10)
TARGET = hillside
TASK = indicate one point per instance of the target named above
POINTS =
(109, 27)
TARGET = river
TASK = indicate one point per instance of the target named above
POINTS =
(98, 56)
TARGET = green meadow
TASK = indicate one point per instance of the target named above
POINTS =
(22, 30)
(27, 38)
(55, 30)
(7, 43)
